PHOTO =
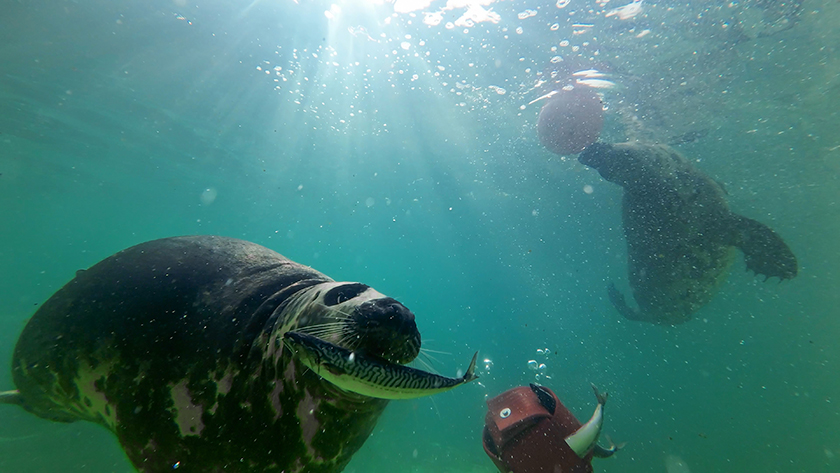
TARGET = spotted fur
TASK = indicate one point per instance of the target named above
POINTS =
(172, 345)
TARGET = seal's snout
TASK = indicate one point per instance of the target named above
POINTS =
(388, 314)
(594, 154)
(388, 330)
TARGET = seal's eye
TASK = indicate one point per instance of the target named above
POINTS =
(339, 294)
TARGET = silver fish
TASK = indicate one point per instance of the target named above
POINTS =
(366, 375)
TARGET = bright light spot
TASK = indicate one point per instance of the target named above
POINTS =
(333, 12)
(596, 83)
(408, 6)
(627, 11)
(589, 73)
(477, 14)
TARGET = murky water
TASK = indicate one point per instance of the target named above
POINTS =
(395, 144)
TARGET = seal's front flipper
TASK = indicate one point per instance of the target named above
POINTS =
(764, 251)
(620, 304)
(11, 397)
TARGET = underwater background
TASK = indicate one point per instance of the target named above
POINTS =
(395, 144)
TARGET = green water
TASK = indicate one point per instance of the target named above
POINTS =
(380, 149)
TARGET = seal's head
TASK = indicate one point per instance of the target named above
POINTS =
(355, 316)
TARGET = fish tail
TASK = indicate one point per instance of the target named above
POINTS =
(602, 452)
(470, 374)
(613, 446)
(602, 397)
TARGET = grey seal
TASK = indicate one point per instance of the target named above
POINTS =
(681, 235)
(175, 345)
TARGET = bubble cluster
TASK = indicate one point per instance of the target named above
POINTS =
(538, 367)
(456, 52)
(488, 365)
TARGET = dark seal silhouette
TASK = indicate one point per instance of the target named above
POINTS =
(680, 232)
(176, 346)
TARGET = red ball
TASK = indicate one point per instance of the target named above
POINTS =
(570, 120)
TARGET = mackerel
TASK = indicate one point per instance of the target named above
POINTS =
(368, 376)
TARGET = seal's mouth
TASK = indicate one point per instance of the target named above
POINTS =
(341, 366)
(357, 317)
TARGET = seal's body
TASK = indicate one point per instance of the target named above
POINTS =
(176, 346)
(681, 235)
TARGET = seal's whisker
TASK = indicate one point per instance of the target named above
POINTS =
(426, 354)
(341, 320)
(323, 332)
(336, 329)
(346, 338)
(327, 325)
(425, 364)
(426, 360)
(429, 350)
(350, 341)
(341, 324)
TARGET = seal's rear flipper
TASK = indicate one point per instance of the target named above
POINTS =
(764, 251)
(617, 299)
(11, 397)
